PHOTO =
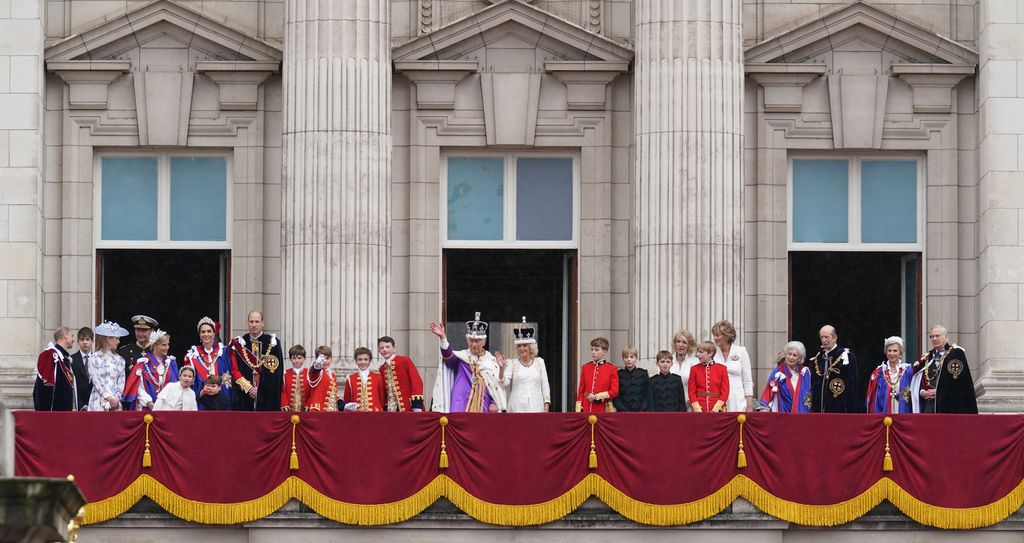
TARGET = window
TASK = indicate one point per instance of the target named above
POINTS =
(163, 200)
(510, 199)
(855, 203)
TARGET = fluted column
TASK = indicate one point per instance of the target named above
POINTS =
(688, 220)
(336, 201)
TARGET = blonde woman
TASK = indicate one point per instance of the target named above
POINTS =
(737, 361)
(106, 368)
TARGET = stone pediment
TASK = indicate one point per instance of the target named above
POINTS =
(860, 30)
(509, 34)
(162, 25)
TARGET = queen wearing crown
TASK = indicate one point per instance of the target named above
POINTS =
(468, 380)
(525, 379)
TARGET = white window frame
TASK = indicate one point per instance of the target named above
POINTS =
(508, 240)
(163, 201)
(853, 187)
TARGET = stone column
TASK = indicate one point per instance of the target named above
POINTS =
(688, 185)
(336, 194)
(998, 366)
(21, 201)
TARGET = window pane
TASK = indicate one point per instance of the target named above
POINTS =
(820, 201)
(888, 199)
(128, 198)
(199, 198)
(476, 198)
(544, 199)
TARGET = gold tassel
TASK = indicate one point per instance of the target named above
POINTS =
(741, 459)
(293, 462)
(592, 419)
(887, 461)
(443, 462)
(147, 458)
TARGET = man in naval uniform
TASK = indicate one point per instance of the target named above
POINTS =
(942, 380)
(132, 352)
(256, 368)
(835, 378)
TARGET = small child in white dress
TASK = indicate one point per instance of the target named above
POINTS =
(178, 396)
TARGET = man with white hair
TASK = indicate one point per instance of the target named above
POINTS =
(54, 389)
(835, 378)
(467, 380)
(942, 380)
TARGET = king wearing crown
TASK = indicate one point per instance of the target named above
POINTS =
(468, 380)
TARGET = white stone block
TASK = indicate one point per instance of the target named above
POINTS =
(998, 152)
(20, 37)
(999, 227)
(24, 148)
(20, 336)
(998, 79)
(18, 185)
(24, 222)
(25, 74)
(20, 111)
(22, 298)
(999, 301)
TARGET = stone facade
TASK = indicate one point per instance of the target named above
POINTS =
(321, 104)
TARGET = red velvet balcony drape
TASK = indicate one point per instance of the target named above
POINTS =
(949, 471)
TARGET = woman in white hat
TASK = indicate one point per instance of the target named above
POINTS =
(527, 378)
(106, 368)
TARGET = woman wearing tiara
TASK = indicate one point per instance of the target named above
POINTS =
(525, 379)
(210, 357)
(151, 373)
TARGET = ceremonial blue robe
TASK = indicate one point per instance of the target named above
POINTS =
(778, 392)
(880, 398)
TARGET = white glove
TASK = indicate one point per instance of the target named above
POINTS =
(351, 406)
(318, 364)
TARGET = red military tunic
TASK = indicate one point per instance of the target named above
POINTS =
(323, 391)
(600, 379)
(403, 387)
(295, 390)
(708, 387)
(366, 395)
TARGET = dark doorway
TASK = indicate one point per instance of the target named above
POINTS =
(504, 285)
(177, 287)
(866, 296)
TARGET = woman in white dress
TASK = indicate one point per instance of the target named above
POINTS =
(106, 368)
(525, 379)
(683, 358)
(737, 361)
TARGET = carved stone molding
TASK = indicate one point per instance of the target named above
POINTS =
(848, 97)
(585, 82)
(932, 84)
(238, 82)
(784, 83)
(89, 80)
(436, 80)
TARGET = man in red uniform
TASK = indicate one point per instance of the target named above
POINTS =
(364, 389)
(599, 381)
(54, 388)
(402, 383)
(709, 382)
(323, 387)
(296, 385)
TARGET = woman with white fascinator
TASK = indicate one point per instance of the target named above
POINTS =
(526, 379)
(106, 368)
